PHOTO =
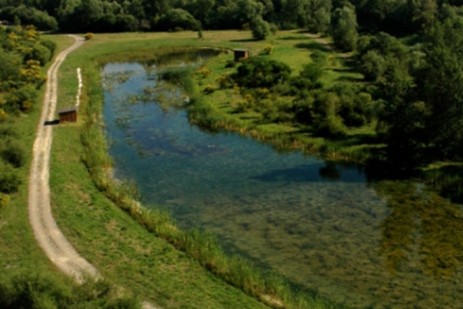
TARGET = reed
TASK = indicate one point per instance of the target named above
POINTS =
(198, 245)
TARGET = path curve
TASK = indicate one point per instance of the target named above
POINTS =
(46, 231)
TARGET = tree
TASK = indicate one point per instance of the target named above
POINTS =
(9, 69)
(319, 15)
(80, 15)
(236, 14)
(423, 13)
(326, 121)
(65, 12)
(442, 85)
(261, 72)
(344, 27)
(202, 10)
(29, 16)
(309, 78)
(177, 19)
(9, 178)
(373, 65)
(293, 13)
(260, 28)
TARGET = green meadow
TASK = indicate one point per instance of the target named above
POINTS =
(142, 252)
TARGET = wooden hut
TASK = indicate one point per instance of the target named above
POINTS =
(241, 54)
(68, 115)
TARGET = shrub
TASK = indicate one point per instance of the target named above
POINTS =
(362, 110)
(203, 71)
(88, 36)
(40, 53)
(49, 44)
(4, 200)
(230, 64)
(260, 28)
(31, 73)
(6, 130)
(200, 33)
(261, 72)
(309, 78)
(302, 109)
(13, 153)
(208, 89)
(22, 99)
(326, 120)
(40, 290)
(9, 178)
(10, 64)
(373, 65)
(319, 58)
(32, 291)
(181, 77)
(3, 115)
(276, 109)
(273, 28)
(267, 50)
(225, 81)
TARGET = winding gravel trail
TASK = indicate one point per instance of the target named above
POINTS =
(44, 226)
(46, 231)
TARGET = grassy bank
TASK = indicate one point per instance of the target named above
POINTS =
(29, 279)
(19, 251)
(219, 107)
(175, 269)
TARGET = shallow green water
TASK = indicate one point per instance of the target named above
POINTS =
(324, 227)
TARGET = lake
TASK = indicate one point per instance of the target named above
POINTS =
(323, 226)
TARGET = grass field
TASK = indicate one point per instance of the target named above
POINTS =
(20, 254)
(18, 248)
(218, 108)
(125, 252)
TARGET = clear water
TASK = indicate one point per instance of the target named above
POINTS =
(324, 227)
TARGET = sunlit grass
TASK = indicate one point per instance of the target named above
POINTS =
(19, 251)
(220, 108)
(151, 266)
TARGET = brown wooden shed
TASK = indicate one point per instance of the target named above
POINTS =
(241, 54)
(68, 115)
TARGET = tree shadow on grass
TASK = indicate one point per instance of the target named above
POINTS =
(349, 61)
(244, 40)
(351, 79)
(313, 46)
(293, 38)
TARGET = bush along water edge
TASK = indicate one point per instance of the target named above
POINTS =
(269, 288)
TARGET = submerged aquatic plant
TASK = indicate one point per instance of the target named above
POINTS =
(198, 245)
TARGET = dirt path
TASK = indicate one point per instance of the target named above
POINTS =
(44, 226)
(46, 231)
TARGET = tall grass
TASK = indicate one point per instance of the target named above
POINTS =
(43, 290)
(269, 289)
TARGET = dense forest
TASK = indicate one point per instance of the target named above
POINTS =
(341, 18)
(409, 51)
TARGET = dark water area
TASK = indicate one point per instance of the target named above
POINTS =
(325, 227)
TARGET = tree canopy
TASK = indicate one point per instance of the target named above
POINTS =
(22, 54)
(409, 51)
